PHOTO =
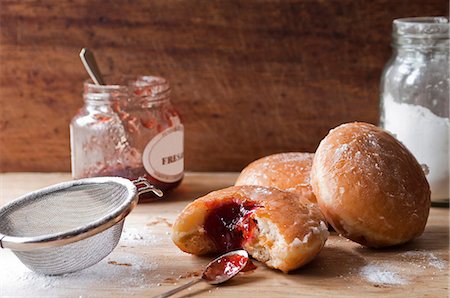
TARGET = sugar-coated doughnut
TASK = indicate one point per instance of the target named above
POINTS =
(277, 228)
(285, 171)
(370, 188)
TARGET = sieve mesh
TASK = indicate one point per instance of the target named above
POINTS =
(74, 256)
(69, 226)
(63, 210)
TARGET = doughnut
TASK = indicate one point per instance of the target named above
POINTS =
(275, 227)
(369, 187)
(285, 171)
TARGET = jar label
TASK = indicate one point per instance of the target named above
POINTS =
(163, 157)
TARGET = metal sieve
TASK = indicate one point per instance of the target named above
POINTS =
(71, 225)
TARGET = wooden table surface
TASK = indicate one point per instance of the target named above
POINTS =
(146, 263)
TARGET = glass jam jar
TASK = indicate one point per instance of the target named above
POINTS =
(415, 96)
(129, 129)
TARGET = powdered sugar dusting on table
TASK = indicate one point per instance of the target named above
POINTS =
(382, 274)
(131, 236)
(403, 268)
(425, 258)
(107, 271)
(121, 268)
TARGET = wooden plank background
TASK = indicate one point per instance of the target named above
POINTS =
(249, 77)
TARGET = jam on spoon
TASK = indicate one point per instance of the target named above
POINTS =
(217, 271)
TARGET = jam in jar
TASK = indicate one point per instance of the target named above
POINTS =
(129, 129)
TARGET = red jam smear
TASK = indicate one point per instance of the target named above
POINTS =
(229, 224)
(249, 266)
(229, 265)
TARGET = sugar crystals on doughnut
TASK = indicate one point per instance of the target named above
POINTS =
(370, 188)
(286, 171)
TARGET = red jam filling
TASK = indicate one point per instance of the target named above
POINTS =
(249, 266)
(229, 224)
(229, 265)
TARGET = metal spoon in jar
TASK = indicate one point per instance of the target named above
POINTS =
(217, 271)
(89, 62)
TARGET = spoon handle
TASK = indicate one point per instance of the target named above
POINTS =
(88, 59)
(178, 289)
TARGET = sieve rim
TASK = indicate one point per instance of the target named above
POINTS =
(75, 234)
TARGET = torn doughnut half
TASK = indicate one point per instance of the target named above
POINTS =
(277, 228)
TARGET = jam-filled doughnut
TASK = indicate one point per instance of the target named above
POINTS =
(285, 171)
(370, 188)
(277, 228)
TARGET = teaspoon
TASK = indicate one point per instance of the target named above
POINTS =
(217, 271)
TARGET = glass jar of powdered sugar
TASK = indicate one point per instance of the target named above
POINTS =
(415, 96)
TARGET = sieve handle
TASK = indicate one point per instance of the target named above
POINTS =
(144, 186)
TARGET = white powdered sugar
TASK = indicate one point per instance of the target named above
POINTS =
(261, 190)
(437, 263)
(124, 270)
(426, 135)
(379, 274)
(297, 242)
(321, 230)
(133, 236)
(403, 269)
(425, 259)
